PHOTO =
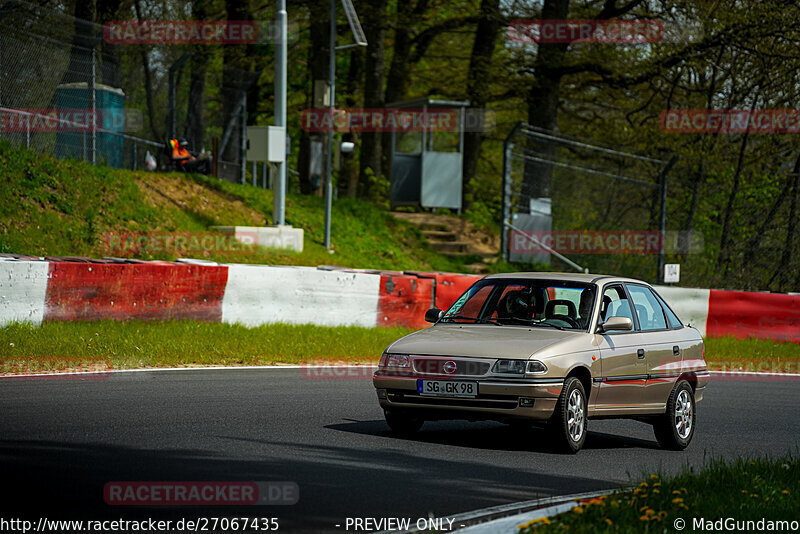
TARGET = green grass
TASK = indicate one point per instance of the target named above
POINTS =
(744, 489)
(138, 344)
(67, 208)
(132, 344)
(729, 353)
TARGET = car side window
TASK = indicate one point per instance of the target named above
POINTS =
(648, 309)
(615, 304)
(672, 319)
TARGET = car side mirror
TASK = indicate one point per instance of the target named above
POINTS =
(615, 323)
(433, 315)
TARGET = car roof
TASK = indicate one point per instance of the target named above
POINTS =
(567, 277)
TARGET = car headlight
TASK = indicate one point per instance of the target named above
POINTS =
(535, 366)
(395, 360)
(511, 367)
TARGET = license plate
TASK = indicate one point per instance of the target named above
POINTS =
(447, 388)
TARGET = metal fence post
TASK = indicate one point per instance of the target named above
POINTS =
(508, 147)
(264, 175)
(243, 139)
(253, 173)
(663, 222)
(133, 156)
(93, 103)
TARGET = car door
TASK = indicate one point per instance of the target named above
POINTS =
(624, 372)
(662, 347)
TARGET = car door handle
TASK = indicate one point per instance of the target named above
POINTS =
(640, 354)
(676, 350)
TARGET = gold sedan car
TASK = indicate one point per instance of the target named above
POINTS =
(552, 348)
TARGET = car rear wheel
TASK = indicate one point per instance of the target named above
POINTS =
(403, 424)
(568, 424)
(674, 430)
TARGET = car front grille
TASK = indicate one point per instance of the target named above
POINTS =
(463, 366)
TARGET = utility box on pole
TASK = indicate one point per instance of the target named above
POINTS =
(266, 143)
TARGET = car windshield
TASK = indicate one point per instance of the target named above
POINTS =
(532, 303)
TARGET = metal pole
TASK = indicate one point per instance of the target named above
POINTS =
(133, 156)
(243, 141)
(279, 185)
(264, 175)
(93, 103)
(329, 169)
(663, 223)
(508, 148)
(253, 173)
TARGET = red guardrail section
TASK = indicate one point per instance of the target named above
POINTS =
(449, 286)
(91, 291)
(748, 314)
(403, 301)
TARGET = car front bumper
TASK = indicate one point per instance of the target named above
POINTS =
(497, 399)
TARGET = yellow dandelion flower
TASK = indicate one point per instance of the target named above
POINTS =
(677, 500)
(656, 491)
(653, 476)
(609, 522)
(649, 511)
(657, 485)
(615, 504)
(643, 508)
(662, 514)
(676, 492)
(644, 518)
(754, 495)
(545, 521)
(785, 492)
(577, 509)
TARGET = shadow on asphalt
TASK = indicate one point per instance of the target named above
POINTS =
(65, 481)
(493, 436)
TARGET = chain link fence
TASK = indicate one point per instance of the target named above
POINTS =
(66, 90)
(579, 206)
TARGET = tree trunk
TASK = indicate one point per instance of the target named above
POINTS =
(542, 101)
(235, 77)
(478, 81)
(148, 81)
(319, 68)
(107, 11)
(370, 157)
(79, 69)
(355, 77)
(194, 131)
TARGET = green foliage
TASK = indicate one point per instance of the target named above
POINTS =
(743, 489)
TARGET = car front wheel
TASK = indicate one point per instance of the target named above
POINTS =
(402, 424)
(674, 430)
(568, 424)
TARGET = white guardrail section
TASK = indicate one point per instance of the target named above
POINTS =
(258, 294)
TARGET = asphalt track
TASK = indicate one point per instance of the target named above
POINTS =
(61, 441)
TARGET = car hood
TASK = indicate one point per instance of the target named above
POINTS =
(480, 341)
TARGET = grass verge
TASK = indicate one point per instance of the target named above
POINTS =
(753, 355)
(69, 208)
(133, 344)
(735, 492)
(138, 344)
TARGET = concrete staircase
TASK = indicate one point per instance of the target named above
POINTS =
(454, 237)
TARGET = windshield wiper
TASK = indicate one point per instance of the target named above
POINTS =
(549, 325)
(477, 321)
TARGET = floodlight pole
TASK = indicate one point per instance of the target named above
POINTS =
(328, 167)
(279, 185)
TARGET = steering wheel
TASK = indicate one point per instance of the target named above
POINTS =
(566, 318)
